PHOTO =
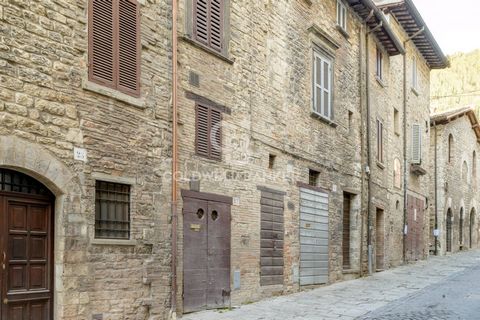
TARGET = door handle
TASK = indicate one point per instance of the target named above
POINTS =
(4, 260)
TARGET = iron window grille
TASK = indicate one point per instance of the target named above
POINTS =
(13, 181)
(112, 210)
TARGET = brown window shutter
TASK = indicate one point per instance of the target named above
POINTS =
(201, 131)
(216, 24)
(215, 134)
(208, 22)
(101, 42)
(128, 47)
(201, 20)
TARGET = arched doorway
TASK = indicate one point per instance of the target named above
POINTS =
(460, 228)
(26, 247)
(472, 226)
(449, 230)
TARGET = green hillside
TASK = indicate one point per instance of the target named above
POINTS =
(458, 85)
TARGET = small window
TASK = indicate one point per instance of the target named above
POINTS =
(379, 64)
(350, 121)
(114, 44)
(396, 121)
(465, 171)
(208, 132)
(414, 74)
(208, 23)
(341, 15)
(380, 134)
(271, 161)
(313, 177)
(112, 210)
(450, 148)
(322, 88)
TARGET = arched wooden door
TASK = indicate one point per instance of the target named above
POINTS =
(472, 227)
(26, 246)
(449, 230)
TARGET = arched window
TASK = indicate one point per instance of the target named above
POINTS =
(474, 165)
(397, 173)
(450, 148)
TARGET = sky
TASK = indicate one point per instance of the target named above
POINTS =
(455, 24)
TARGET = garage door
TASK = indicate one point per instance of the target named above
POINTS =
(313, 237)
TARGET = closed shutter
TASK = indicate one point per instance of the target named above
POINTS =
(416, 144)
(101, 42)
(129, 47)
(208, 22)
(208, 132)
(114, 44)
(201, 132)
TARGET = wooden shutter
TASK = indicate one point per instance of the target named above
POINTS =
(416, 144)
(114, 44)
(101, 42)
(128, 47)
(201, 132)
(208, 133)
(208, 22)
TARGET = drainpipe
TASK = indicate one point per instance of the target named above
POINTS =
(436, 192)
(173, 311)
(362, 144)
(405, 159)
(369, 147)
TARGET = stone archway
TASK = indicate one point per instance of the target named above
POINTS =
(35, 161)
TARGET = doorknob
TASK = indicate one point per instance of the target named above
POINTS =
(5, 301)
(4, 259)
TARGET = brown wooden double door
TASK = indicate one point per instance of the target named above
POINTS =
(26, 257)
(415, 243)
(206, 254)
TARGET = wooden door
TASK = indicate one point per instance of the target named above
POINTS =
(346, 230)
(206, 255)
(472, 223)
(380, 240)
(271, 238)
(27, 270)
(449, 230)
(314, 237)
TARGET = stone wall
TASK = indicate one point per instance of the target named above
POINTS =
(46, 104)
(456, 190)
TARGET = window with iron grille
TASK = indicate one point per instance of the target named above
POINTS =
(208, 132)
(114, 44)
(208, 23)
(322, 85)
(379, 141)
(112, 210)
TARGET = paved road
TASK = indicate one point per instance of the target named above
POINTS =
(442, 288)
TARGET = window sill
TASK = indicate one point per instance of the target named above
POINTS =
(217, 54)
(380, 165)
(380, 81)
(97, 88)
(318, 116)
(113, 242)
(415, 91)
(343, 31)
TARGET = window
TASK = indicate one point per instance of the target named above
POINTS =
(396, 121)
(397, 173)
(379, 141)
(114, 45)
(322, 93)
(416, 143)
(474, 165)
(379, 64)
(112, 210)
(313, 177)
(271, 160)
(450, 148)
(208, 132)
(350, 121)
(465, 171)
(341, 15)
(414, 74)
(208, 23)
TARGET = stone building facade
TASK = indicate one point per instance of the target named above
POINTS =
(454, 145)
(48, 107)
(282, 184)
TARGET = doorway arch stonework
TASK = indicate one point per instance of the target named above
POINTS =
(34, 160)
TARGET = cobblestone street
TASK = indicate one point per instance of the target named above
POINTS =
(440, 288)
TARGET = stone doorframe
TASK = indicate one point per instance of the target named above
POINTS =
(34, 160)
